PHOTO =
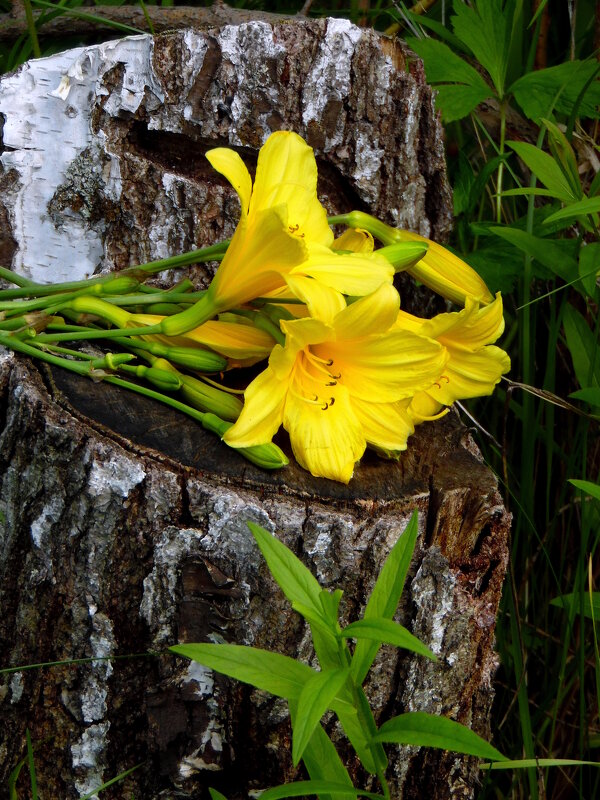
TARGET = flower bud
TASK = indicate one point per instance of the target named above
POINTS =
(267, 456)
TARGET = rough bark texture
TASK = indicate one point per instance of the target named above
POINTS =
(124, 525)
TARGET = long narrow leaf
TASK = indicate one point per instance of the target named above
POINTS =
(385, 596)
(296, 581)
(272, 672)
(431, 730)
(307, 788)
(314, 700)
(545, 168)
(387, 631)
(590, 205)
(527, 763)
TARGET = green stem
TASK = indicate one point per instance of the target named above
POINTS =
(501, 164)
(114, 333)
(31, 29)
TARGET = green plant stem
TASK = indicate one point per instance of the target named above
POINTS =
(113, 333)
(503, 105)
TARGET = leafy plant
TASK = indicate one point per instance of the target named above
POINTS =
(337, 686)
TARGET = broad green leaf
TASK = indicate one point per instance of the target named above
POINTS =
(314, 700)
(430, 730)
(485, 27)
(385, 596)
(545, 168)
(321, 759)
(296, 581)
(455, 100)
(593, 489)
(442, 65)
(386, 631)
(527, 763)
(215, 795)
(556, 89)
(591, 396)
(308, 788)
(271, 672)
(589, 264)
(553, 254)
(573, 602)
(326, 647)
(590, 205)
(583, 348)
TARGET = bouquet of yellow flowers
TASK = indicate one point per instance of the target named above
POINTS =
(346, 367)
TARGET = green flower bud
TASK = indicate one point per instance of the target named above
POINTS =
(267, 456)
(196, 358)
(165, 380)
(404, 255)
(208, 398)
(122, 285)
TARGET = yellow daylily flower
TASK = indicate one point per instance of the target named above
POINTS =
(474, 365)
(282, 237)
(339, 386)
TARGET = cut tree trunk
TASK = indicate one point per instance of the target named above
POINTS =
(123, 524)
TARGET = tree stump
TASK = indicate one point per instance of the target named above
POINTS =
(123, 524)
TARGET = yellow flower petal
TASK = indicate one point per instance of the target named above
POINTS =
(469, 329)
(385, 425)
(424, 407)
(355, 240)
(351, 273)
(470, 375)
(262, 414)
(287, 173)
(322, 301)
(386, 368)
(325, 441)
(230, 164)
(373, 314)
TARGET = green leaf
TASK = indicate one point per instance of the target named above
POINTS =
(442, 65)
(330, 603)
(440, 30)
(593, 489)
(314, 700)
(321, 759)
(431, 730)
(316, 620)
(549, 252)
(556, 89)
(573, 602)
(307, 788)
(590, 205)
(387, 631)
(589, 265)
(359, 729)
(460, 88)
(385, 596)
(455, 101)
(486, 28)
(272, 672)
(589, 395)
(527, 763)
(583, 348)
(296, 581)
(215, 795)
(545, 168)
(561, 150)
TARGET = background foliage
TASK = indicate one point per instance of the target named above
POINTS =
(518, 90)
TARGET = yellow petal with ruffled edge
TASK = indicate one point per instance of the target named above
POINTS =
(470, 374)
(325, 441)
(423, 408)
(349, 273)
(262, 413)
(385, 425)
(286, 172)
(231, 166)
(445, 273)
(469, 329)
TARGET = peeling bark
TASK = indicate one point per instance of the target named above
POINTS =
(124, 525)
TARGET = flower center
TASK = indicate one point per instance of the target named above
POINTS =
(314, 376)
